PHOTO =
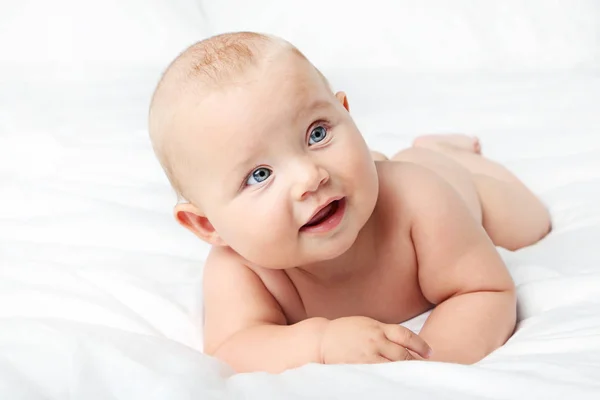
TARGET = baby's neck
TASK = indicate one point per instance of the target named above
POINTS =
(352, 264)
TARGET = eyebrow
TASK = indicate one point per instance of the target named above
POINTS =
(315, 104)
(242, 165)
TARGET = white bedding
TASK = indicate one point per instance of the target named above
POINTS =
(100, 290)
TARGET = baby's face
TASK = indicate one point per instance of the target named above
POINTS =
(271, 152)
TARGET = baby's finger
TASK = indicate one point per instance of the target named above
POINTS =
(408, 339)
(395, 352)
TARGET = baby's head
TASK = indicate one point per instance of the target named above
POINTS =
(253, 139)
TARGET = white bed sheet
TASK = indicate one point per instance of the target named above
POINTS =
(100, 290)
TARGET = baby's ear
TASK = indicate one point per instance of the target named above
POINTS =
(191, 218)
(341, 96)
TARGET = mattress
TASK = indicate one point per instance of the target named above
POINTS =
(100, 289)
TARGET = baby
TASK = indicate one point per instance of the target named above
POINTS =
(320, 247)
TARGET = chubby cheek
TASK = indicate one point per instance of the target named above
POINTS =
(359, 174)
(355, 162)
(261, 232)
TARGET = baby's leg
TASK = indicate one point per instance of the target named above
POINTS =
(511, 214)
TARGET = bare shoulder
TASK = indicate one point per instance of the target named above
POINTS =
(234, 298)
(222, 265)
(221, 262)
(402, 173)
(454, 253)
(411, 186)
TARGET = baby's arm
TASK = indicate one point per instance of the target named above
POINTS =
(462, 273)
(245, 327)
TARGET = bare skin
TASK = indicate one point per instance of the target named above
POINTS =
(411, 234)
(388, 273)
(495, 196)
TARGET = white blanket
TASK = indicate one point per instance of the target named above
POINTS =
(100, 290)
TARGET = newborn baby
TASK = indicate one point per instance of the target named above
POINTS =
(320, 247)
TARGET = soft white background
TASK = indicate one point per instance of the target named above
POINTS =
(100, 290)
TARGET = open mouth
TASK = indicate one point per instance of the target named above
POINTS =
(327, 218)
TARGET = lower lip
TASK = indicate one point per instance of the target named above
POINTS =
(330, 223)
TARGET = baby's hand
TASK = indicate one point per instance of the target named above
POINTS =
(362, 340)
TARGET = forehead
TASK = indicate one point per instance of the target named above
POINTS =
(284, 84)
(268, 98)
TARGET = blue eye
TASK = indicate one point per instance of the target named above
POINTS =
(317, 134)
(258, 175)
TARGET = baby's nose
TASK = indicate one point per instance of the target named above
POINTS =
(310, 179)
